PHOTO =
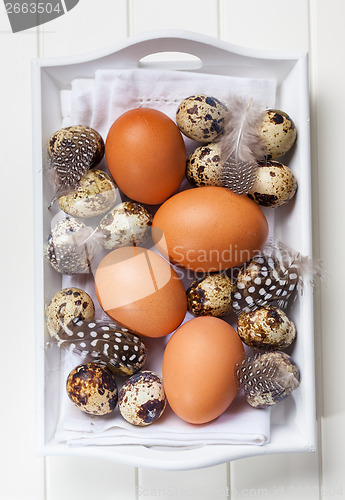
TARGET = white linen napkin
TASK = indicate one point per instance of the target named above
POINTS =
(98, 102)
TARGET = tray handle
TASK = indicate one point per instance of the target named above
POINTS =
(194, 54)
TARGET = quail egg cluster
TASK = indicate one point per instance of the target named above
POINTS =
(269, 183)
(105, 221)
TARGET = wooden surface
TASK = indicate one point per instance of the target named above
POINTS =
(314, 25)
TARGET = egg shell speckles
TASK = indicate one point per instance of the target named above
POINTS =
(92, 388)
(267, 378)
(204, 166)
(210, 296)
(266, 328)
(274, 185)
(201, 117)
(279, 133)
(95, 195)
(66, 305)
(142, 399)
(66, 250)
(126, 224)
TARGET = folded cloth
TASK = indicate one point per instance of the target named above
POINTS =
(98, 102)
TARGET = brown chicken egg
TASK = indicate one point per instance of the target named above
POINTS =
(141, 291)
(92, 388)
(199, 373)
(146, 155)
(209, 229)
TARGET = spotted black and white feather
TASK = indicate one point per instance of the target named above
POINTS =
(241, 146)
(267, 377)
(116, 347)
(72, 152)
(274, 277)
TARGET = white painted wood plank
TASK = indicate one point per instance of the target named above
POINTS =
(192, 15)
(328, 41)
(271, 25)
(199, 16)
(267, 24)
(203, 484)
(22, 473)
(71, 478)
(87, 27)
(285, 476)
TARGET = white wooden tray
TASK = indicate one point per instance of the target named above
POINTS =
(293, 421)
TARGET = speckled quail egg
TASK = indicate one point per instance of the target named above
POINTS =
(274, 185)
(95, 195)
(278, 132)
(142, 398)
(126, 224)
(267, 377)
(266, 328)
(204, 166)
(66, 305)
(210, 296)
(69, 247)
(201, 117)
(92, 388)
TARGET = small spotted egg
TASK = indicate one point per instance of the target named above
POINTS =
(69, 247)
(266, 328)
(66, 305)
(95, 195)
(278, 132)
(142, 398)
(125, 225)
(210, 296)
(204, 166)
(92, 388)
(267, 377)
(201, 117)
(274, 185)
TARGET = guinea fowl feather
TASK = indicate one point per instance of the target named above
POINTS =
(241, 146)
